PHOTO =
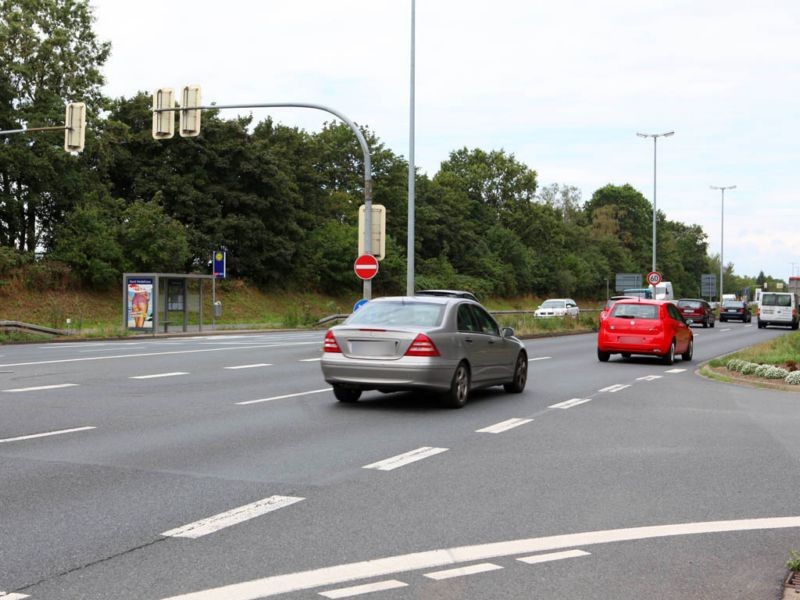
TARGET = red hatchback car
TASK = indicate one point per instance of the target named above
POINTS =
(652, 327)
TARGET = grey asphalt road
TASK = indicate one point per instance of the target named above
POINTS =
(626, 479)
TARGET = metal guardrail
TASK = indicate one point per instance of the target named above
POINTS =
(31, 328)
(330, 318)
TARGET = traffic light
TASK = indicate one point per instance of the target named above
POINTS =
(75, 127)
(163, 122)
(190, 117)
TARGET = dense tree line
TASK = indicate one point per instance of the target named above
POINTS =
(284, 201)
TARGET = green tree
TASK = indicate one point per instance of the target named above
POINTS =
(50, 56)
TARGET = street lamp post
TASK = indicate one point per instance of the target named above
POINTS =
(655, 137)
(722, 188)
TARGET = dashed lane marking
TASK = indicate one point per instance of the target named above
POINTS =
(406, 458)
(41, 435)
(249, 366)
(612, 389)
(540, 358)
(327, 576)
(675, 371)
(503, 426)
(357, 590)
(726, 329)
(310, 359)
(284, 396)
(41, 387)
(157, 375)
(541, 558)
(10, 596)
(648, 378)
(462, 571)
(570, 403)
(231, 517)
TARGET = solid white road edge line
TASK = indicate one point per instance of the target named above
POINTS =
(42, 387)
(157, 375)
(380, 586)
(403, 459)
(231, 517)
(541, 558)
(41, 435)
(304, 580)
(503, 426)
(249, 366)
(570, 403)
(284, 396)
(462, 571)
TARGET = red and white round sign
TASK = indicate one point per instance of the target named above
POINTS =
(366, 266)
(654, 278)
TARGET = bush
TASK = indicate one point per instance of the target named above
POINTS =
(793, 378)
(749, 368)
(773, 372)
(735, 364)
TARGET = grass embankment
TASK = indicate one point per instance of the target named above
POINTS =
(778, 351)
(780, 357)
(91, 314)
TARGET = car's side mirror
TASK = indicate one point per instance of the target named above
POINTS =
(507, 332)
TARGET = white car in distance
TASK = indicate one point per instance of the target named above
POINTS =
(558, 307)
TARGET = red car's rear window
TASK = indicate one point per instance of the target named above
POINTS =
(635, 311)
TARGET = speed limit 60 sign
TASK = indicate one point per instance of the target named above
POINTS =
(654, 278)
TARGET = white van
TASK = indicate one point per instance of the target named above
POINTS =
(778, 308)
(664, 291)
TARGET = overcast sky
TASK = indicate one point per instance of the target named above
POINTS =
(563, 85)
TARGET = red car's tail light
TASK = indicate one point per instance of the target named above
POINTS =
(422, 346)
(330, 344)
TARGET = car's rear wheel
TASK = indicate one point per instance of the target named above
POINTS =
(458, 394)
(712, 323)
(761, 324)
(705, 323)
(346, 394)
(603, 356)
(669, 357)
(520, 375)
(687, 356)
(626, 355)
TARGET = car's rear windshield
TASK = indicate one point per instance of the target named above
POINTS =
(635, 311)
(398, 314)
(689, 304)
(733, 303)
(776, 300)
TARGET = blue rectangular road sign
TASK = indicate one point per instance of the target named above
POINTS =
(218, 260)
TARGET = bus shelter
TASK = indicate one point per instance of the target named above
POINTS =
(152, 302)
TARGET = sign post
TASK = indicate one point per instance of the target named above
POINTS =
(366, 267)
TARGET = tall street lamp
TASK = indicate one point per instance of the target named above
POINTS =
(655, 137)
(722, 188)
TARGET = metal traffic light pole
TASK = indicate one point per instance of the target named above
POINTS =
(361, 140)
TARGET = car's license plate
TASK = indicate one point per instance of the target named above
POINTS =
(631, 339)
(373, 347)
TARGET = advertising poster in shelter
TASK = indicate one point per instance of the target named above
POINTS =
(140, 303)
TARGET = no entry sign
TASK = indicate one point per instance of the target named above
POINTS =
(366, 266)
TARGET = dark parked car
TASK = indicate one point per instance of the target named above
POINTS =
(735, 309)
(697, 311)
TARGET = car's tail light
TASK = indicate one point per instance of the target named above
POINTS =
(422, 346)
(330, 344)
(758, 311)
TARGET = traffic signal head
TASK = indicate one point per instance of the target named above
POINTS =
(163, 121)
(190, 117)
(75, 127)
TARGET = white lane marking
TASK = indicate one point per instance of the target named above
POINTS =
(381, 567)
(540, 358)
(147, 354)
(231, 517)
(503, 426)
(249, 366)
(403, 459)
(157, 375)
(41, 435)
(750, 325)
(42, 387)
(541, 558)
(614, 388)
(284, 396)
(570, 403)
(675, 371)
(9, 596)
(649, 378)
(727, 329)
(310, 359)
(105, 350)
(380, 586)
(462, 571)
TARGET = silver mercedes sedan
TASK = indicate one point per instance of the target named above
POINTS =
(449, 345)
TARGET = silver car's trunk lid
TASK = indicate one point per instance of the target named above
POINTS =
(379, 344)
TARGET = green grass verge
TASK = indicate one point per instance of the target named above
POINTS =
(774, 352)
